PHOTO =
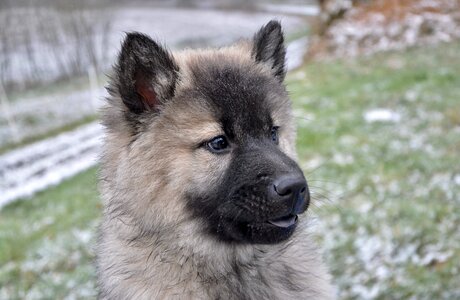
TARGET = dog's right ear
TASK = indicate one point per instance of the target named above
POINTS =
(269, 48)
(146, 73)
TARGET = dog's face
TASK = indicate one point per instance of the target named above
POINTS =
(211, 132)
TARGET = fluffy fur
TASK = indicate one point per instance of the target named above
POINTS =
(165, 194)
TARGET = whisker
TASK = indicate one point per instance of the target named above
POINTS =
(325, 181)
(310, 172)
(303, 118)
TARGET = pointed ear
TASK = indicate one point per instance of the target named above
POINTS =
(269, 48)
(146, 73)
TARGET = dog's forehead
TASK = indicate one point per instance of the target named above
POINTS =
(239, 93)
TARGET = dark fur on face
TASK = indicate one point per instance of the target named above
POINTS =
(242, 98)
(240, 206)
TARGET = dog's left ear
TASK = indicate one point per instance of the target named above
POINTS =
(268, 48)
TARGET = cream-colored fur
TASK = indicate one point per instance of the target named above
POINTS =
(151, 247)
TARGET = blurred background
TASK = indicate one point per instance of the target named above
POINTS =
(376, 92)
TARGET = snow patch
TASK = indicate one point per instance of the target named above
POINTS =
(343, 159)
(304, 10)
(296, 51)
(381, 115)
(33, 168)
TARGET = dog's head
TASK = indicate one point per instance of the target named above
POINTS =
(206, 135)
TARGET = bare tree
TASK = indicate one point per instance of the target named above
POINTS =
(5, 48)
(56, 42)
(51, 37)
(30, 49)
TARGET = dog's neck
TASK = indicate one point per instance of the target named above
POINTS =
(194, 246)
(159, 262)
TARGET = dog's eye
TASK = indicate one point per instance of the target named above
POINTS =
(218, 144)
(274, 134)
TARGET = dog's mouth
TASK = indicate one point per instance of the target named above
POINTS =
(269, 231)
(285, 221)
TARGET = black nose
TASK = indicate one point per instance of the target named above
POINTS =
(293, 190)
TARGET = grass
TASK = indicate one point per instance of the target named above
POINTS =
(386, 193)
(45, 250)
(31, 139)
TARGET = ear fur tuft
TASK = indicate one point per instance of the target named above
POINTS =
(146, 73)
(268, 48)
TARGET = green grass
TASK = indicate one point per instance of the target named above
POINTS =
(46, 242)
(386, 194)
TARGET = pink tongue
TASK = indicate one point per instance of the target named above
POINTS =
(284, 221)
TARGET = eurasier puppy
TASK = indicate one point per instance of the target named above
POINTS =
(203, 198)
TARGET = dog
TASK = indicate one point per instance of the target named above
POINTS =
(202, 195)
